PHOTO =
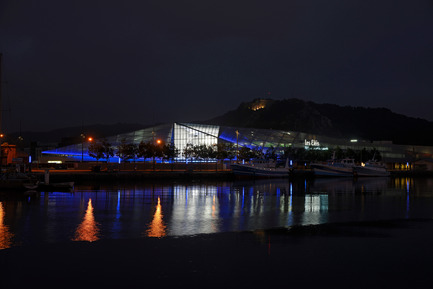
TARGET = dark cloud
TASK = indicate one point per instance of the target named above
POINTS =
(144, 61)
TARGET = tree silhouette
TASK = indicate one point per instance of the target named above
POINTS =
(126, 151)
(107, 149)
(96, 150)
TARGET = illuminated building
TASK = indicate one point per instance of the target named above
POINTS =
(10, 155)
(182, 134)
(259, 103)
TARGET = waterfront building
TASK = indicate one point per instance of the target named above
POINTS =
(182, 134)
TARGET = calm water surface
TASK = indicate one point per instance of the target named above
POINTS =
(95, 212)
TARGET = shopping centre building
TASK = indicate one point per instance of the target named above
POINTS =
(183, 134)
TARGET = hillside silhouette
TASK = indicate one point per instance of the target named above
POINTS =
(373, 124)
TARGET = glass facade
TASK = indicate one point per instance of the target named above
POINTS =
(183, 134)
(194, 134)
(162, 132)
(258, 138)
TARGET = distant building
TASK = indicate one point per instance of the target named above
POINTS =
(259, 103)
(10, 155)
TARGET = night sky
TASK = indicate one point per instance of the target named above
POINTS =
(73, 63)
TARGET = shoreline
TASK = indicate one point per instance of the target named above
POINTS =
(374, 254)
(226, 175)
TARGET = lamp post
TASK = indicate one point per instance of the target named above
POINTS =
(89, 139)
(237, 146)
(1, 153)
(1, 108)
(156, 147)
(82, 146)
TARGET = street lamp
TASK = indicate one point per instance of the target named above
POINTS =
(1, 155)
(237, 146)
(83, 137)
(82, 146)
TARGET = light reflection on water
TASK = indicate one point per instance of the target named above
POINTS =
(170, 209)
(5, 234)
(157, 226)
(88, 229)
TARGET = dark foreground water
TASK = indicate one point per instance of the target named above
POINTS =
(96, 212)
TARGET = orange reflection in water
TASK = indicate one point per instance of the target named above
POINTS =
(88, 229)
(157, 227)
(5, 235)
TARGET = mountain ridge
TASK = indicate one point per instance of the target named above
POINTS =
(372, 124)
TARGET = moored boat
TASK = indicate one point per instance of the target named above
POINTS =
(17, 181)
(334, 168)
(371, 168)
(261, 170)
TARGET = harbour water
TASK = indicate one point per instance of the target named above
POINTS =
(144, 210)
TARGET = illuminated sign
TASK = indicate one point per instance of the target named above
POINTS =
(313, 143)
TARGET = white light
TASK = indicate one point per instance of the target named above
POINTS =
(54, 162)
(353, 140)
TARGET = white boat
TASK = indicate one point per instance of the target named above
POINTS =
(261, 170)
(371, 168)
(334, 168)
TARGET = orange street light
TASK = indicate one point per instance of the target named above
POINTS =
(90, 138)
(158, 141)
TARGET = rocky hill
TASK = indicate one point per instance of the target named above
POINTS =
(330, 120)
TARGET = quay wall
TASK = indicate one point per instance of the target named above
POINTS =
(86, 176)
(223, 175)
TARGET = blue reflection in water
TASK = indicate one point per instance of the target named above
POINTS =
(195, 208)
(243, 197)
(117, 225)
